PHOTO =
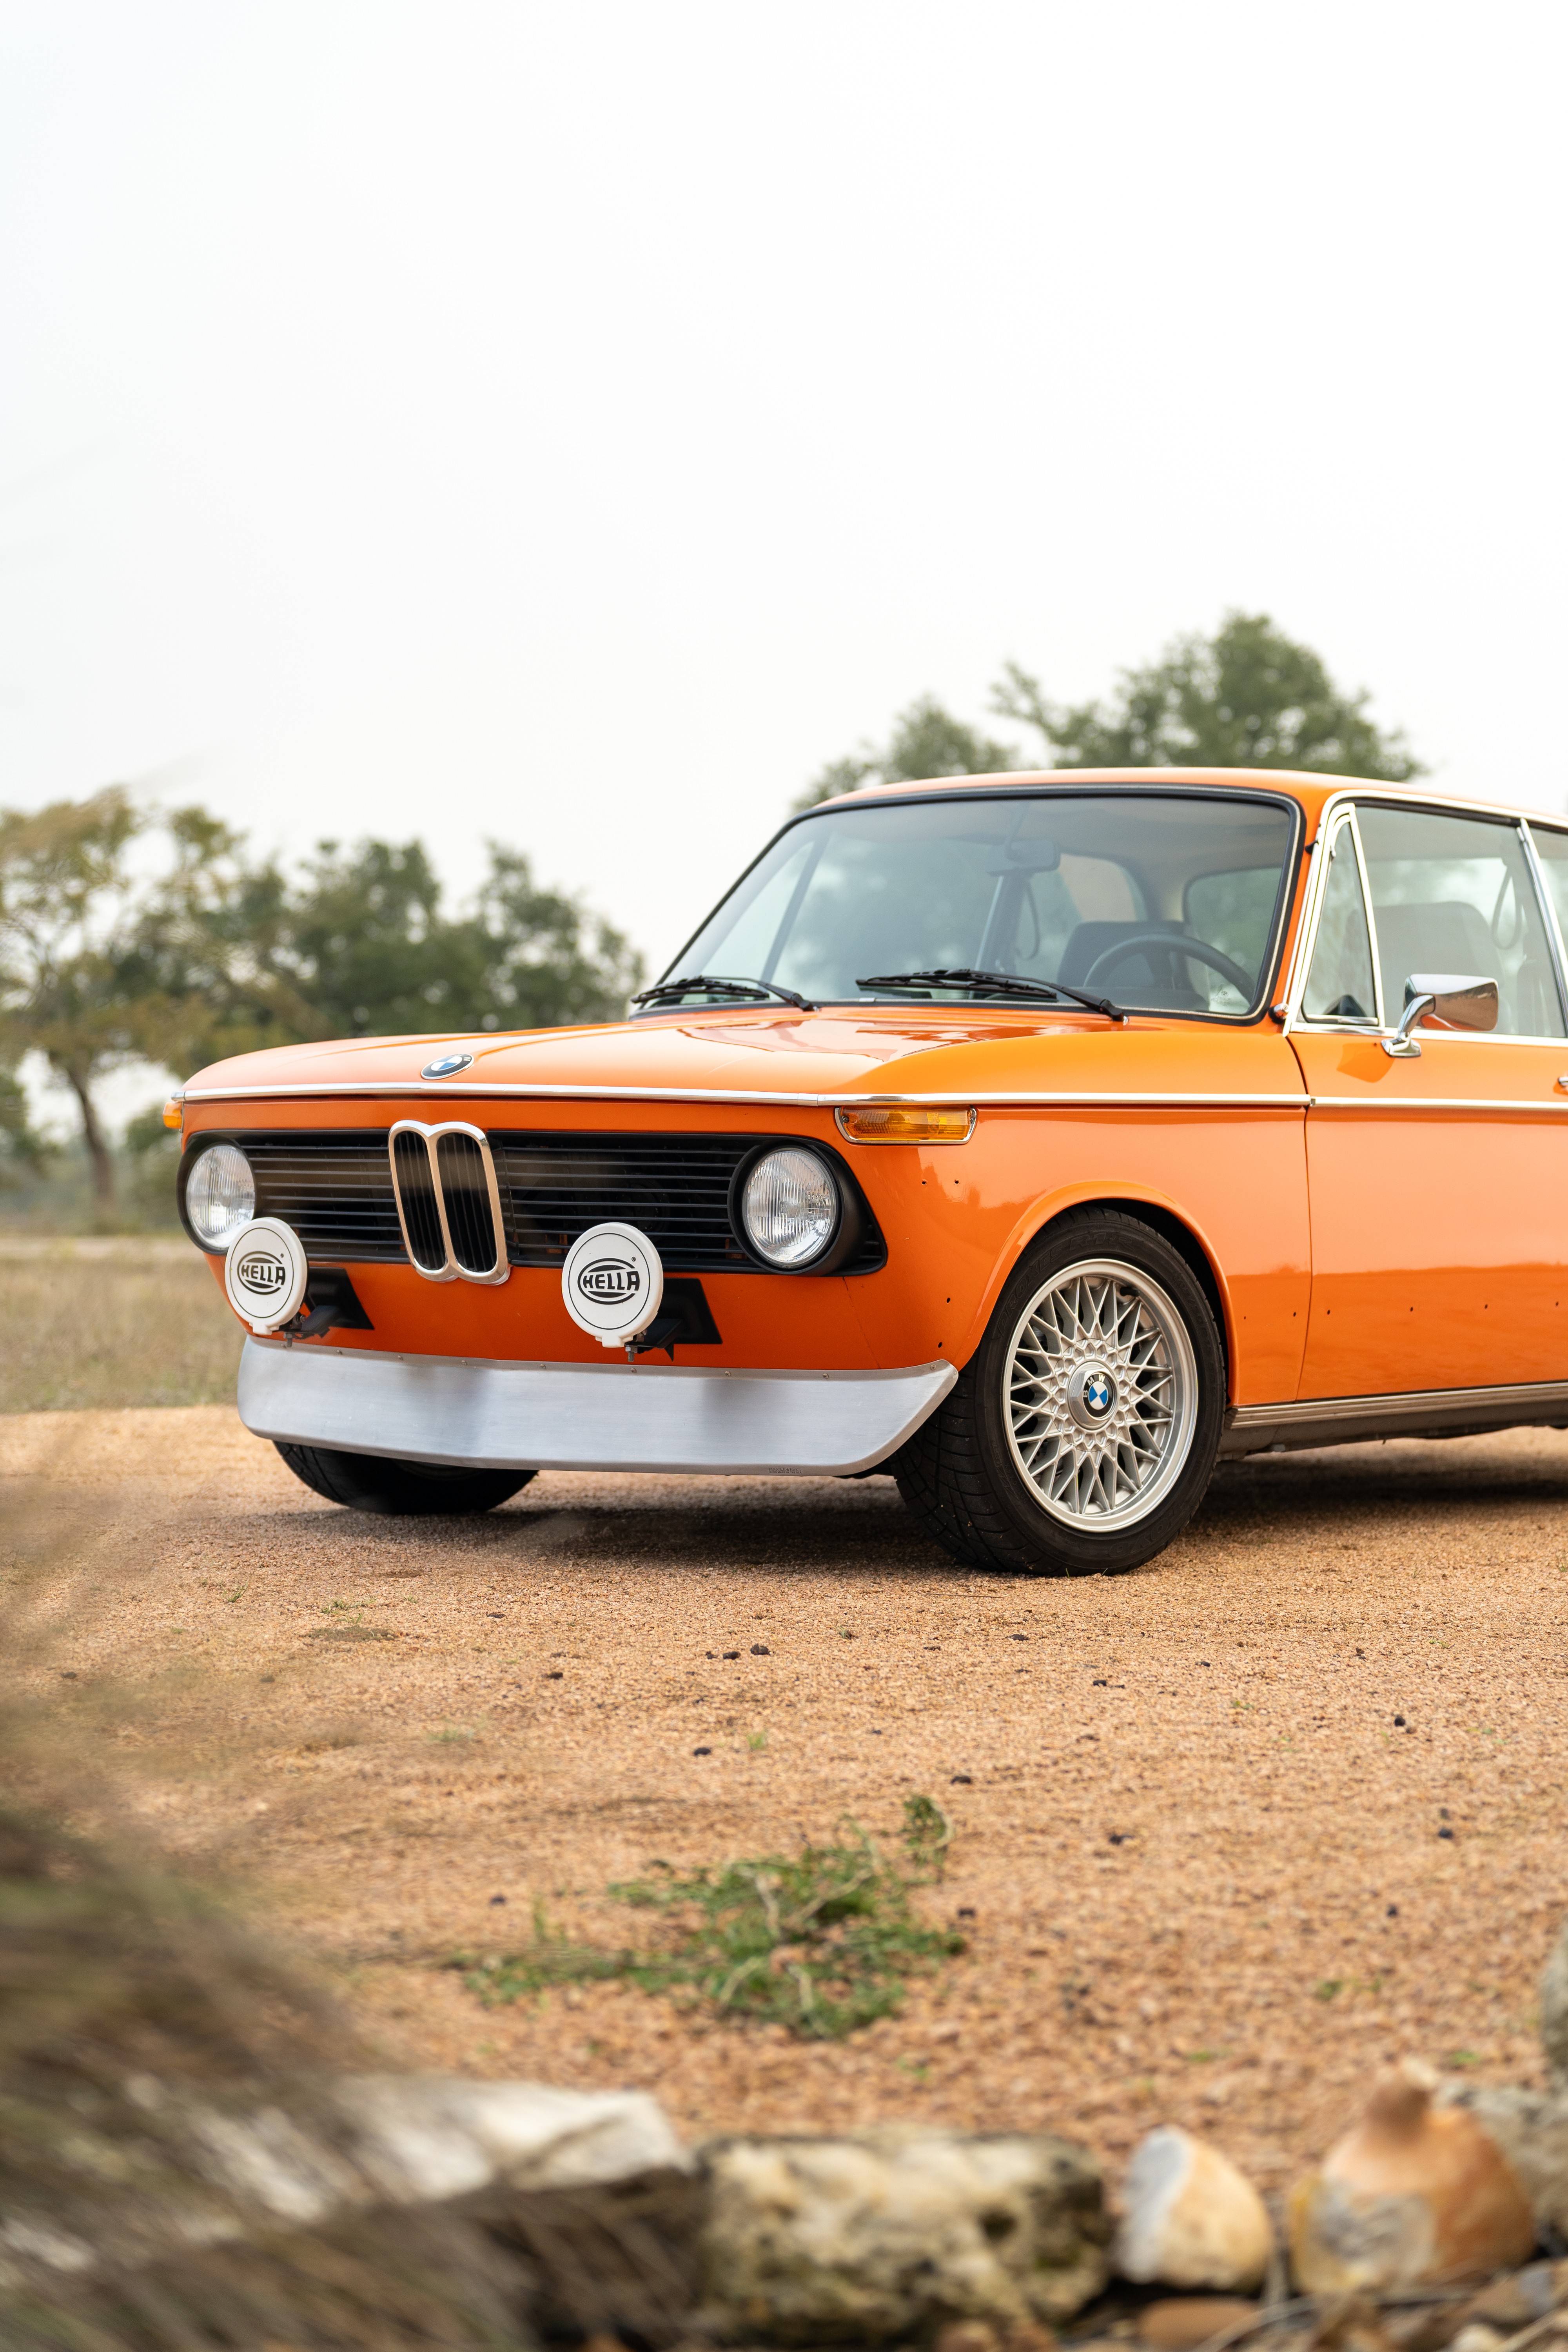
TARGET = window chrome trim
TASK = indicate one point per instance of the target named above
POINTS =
(449, 1270)
(1338, 818)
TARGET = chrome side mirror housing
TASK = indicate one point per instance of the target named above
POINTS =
(1453, 999)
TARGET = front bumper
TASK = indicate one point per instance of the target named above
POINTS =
(502, 1416)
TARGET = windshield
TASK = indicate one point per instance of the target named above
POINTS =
(1160, 901)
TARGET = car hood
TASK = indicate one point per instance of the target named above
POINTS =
(768, 1055)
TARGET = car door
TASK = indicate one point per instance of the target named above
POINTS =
(1438, 1205)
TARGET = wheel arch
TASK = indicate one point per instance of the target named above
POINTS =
(1151, 1209)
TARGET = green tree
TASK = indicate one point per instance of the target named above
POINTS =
(1249, 696)
(72, 984)
(926, 741)
(362, 941)
(126, 935)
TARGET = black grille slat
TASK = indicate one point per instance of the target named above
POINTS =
(420, 1212)
(333, 1186)
(674, 1188)
(468, 1197)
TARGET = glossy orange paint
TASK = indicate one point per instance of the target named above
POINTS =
(1204, 1122)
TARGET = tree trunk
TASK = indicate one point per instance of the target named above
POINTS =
(98, 1149)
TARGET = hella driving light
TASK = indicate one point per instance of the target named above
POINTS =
(789, 1208)
(220, 1196)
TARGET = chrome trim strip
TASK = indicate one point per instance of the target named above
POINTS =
(450, 1269)
(496, 1415)
(1416, 1412)
(1001, 1099)
(1487, 1105)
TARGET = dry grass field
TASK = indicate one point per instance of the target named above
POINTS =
(1228, 1832)
(111, 1322)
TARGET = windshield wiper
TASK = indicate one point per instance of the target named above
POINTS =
(995, 983)
(667, 991)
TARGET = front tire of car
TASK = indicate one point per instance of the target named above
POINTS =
(1081, 1438)
(373, 1482)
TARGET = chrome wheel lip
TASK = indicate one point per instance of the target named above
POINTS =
(1140, 1343)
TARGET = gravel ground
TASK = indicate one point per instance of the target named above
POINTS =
(1207, 1874)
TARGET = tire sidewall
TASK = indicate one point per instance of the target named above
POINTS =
(1081, 1241)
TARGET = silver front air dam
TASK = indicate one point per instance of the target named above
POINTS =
(468, 1412)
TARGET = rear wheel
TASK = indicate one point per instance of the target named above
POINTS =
(371, 1482)
(1081, 1438)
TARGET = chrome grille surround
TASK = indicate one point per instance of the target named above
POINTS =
(448, 1203)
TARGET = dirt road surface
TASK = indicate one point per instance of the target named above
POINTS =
(1228, 1831)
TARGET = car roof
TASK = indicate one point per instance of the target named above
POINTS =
(1312, 792)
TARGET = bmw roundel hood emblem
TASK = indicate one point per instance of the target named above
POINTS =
(447, 1066)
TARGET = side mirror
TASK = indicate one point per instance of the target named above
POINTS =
(1450, 1000)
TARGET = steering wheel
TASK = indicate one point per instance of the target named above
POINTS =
(1110, 957)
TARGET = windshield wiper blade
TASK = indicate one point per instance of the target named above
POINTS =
(666, 991)
(998, 983)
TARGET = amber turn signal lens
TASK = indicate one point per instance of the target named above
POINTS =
(174, 1111)
(906, 1123)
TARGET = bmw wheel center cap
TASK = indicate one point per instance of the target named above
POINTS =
(612, 1283)
(1091, 1396)
(265, 1273)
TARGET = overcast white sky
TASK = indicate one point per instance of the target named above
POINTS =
(576, 423)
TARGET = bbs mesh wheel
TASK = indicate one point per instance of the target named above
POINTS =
(371, 1482)
(1081, 1438)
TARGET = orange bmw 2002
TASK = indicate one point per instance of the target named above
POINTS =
(1037, 1139)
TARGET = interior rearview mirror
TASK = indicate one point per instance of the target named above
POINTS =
(1038, 857)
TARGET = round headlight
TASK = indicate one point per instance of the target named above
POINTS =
(789, 1207)
(220, 1195)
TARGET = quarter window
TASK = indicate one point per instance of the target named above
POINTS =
(1340, 985)
(1453, 894)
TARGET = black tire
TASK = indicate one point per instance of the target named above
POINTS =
(964, 1475)
(371, 1482)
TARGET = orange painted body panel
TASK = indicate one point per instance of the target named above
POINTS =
(1440, 1233)
(1354, 1251)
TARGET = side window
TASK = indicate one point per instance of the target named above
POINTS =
(1454, 894)
(1339, 983)
(1552, 848)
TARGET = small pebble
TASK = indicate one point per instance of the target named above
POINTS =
(731, 1654)
(1399, 1723)
(1444, 1834)
(1017, 1637)
(702, 1752)
(1392, 1912)
(1179, 2324)
(497, 1900)
(552, 1674)
(761, 1650)
(967, 2335)
(961, 1781)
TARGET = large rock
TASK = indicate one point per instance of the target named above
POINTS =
(1190, 2219)
(813, 2240)
(424, 2136)
(1531, 2129)
(1413, 2195)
